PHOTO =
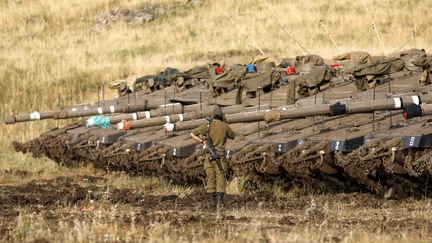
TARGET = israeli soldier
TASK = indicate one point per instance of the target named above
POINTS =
(217, 131)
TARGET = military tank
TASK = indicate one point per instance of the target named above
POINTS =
(353, 123)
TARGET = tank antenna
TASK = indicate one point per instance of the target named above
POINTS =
(128, 104)
(103, 93)
(99, 91)
(313, 117)
(165, 100)
(374, 27)
(413, 25)
(135, 102)
(246, 36)
(324, 26)
(174, 93)
(390, 93)
(283, 28)
(200, 95)
(373, 114)
(259, 108)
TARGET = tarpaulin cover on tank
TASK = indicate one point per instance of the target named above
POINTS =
(381, 67)
(411, 56)
(359, 57)
(254, 81)
(168, 76)
(426, 64)
(233, 61)
(316, 76)
(305, 63)
(228, 78)
(200, 72)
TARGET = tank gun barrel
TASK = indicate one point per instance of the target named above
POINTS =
(194, 113)
(34, 116)
(162, 110)
(90, 110)
(338, 108)
(140, 105)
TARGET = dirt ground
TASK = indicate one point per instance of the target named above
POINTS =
(83, 208)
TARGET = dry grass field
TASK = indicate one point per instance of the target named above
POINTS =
(52, 56)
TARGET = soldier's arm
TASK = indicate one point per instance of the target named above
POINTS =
(196, 138)
(195, 134)
(230, 133)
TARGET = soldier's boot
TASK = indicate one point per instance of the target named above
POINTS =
(219, 200)
(212, 199)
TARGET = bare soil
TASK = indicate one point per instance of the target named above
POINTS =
(65, 200)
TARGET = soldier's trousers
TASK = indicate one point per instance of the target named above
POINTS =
(215, 179)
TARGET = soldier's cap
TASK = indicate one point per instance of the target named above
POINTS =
(217, 112)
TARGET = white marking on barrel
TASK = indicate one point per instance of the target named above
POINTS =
(134, 116)
(90, 122)
(112, 108)
(147, 114)
(398, 103)
(35, 116)
(120, 125)
(181, 117)
(100, 110)
(416, 100)
(169, 127)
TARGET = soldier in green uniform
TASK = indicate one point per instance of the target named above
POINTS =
(218, 131)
